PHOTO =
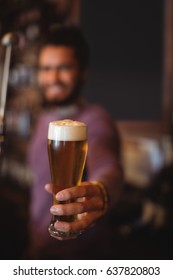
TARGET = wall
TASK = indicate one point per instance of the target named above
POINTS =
(126, 40)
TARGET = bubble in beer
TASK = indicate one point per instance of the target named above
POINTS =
(67, 130)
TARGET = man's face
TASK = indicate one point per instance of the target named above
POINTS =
(59, 75)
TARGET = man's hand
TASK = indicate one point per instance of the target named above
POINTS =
(89, 206)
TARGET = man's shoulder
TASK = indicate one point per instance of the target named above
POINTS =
(96, 110)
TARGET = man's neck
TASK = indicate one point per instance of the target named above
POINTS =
(69, 109)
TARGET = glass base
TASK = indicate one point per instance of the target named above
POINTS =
(60, 234)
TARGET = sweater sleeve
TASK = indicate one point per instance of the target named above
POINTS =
(103, 160)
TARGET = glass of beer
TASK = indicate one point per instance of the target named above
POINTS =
(67, 150)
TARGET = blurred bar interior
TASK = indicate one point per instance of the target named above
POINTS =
(142, 220)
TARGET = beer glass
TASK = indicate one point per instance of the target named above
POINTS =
(67, 150)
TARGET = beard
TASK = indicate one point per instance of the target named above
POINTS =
(71, 99)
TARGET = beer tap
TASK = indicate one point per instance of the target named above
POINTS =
(7, 41)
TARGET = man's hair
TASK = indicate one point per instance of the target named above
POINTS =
(70, 36)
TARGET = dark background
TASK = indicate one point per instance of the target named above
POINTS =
(126, 39)
(126, 69)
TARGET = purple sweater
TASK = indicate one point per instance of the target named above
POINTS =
(102, 164)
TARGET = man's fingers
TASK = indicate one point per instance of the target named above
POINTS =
(92, 204)
(86, 189)
(78, 225)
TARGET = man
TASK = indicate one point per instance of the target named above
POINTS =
(62, 70)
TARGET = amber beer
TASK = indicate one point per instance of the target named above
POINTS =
(67, 149)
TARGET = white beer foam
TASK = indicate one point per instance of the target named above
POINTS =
(67, 130)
